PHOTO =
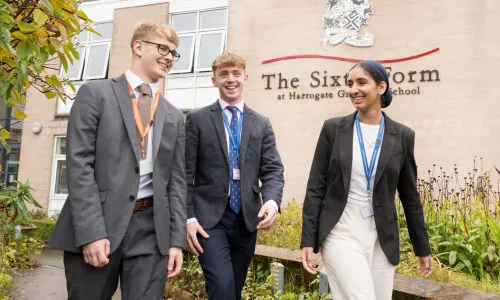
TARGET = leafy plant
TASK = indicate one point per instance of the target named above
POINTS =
(44, 228)
(463, 220)
(14, 200)
(14, 253)
(32, 34)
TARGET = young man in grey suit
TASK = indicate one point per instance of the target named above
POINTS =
(125, 215)
(229, 148)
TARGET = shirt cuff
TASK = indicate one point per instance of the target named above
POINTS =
(191, 220)
(273, 204)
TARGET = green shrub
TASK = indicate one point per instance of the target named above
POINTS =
(191, 278)
(462, 220)
(287, 231)
(43, 231)
(5, 284)
(14, 253)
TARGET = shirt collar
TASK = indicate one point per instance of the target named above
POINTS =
(239, 106)
(135, 81)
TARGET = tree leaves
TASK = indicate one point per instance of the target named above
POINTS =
(40, 17)
(29, 37)
(4, 134)
(19, 114)
(26, 27)
(19, 35)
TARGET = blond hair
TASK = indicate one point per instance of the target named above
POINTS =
(228, 59)
(148, 30)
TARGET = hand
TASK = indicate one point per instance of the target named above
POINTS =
(425, 266)
(192, 240)
(270, 212)
(174, 261)
(96, 253)
(307, 260)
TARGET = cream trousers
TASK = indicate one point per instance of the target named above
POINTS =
(357, 268)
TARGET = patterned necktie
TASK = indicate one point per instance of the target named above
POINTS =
(144, 103)
(235, 196)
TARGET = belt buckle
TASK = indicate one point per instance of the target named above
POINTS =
(144, 206)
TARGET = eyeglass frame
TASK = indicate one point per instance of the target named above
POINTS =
(176, 56)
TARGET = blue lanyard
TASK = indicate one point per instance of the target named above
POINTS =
(369, 169)
(234, 143)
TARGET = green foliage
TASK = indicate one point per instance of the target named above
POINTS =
(14, 253)
(43, 231)
(191, 278)
(287, 231)
(19, 254)
(463, 222)
(190, 284)
(14, 199)
(32, 33)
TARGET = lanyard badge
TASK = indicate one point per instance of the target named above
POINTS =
(367, 209)
(369, 168)
(143, 132)
(235, 143)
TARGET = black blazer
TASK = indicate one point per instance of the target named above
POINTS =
(329, 179)
(207, 166)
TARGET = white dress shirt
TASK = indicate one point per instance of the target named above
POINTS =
(229, 115)
(146, 180)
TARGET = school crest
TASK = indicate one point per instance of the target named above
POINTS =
(342, 22)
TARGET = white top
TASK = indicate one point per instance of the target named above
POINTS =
(145, 181)
(357, 189)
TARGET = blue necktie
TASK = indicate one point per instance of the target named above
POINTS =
(235, 196)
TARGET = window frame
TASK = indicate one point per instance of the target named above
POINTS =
(56, 159)
(86, 45)
(87, 55)
(197, 69)
(191, 54)
(70, 93)
(197, 34)
(81, 65)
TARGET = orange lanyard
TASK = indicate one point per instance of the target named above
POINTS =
(143, 132)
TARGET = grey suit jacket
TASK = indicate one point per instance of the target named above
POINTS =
(207, 166)
(103, 170)
(330, 177)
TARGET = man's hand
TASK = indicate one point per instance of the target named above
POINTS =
(308, 260)
(270, 212)
(192, 240)
(425, 266)
(174, 261)
(96, 253)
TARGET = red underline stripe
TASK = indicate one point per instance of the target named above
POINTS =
(354, 60)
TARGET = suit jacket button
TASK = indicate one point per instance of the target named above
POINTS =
(136, 170)
(131, 197)
(377, 206)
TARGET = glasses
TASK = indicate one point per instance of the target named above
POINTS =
(165, 50)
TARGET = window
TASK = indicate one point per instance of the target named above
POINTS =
(94, 54)
(202, 37)
(59, 185)
(93, 63)
(64, 108)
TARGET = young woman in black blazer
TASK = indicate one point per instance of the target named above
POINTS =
(349, 212)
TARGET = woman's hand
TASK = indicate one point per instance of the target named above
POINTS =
(425, 266)
(308, 260)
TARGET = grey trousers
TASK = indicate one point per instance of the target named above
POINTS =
(137, 263)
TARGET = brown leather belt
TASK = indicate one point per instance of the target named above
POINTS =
(143, 204)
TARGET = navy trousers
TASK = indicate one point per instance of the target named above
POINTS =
(226, 256)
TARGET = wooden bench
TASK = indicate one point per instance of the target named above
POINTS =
(426, 289)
